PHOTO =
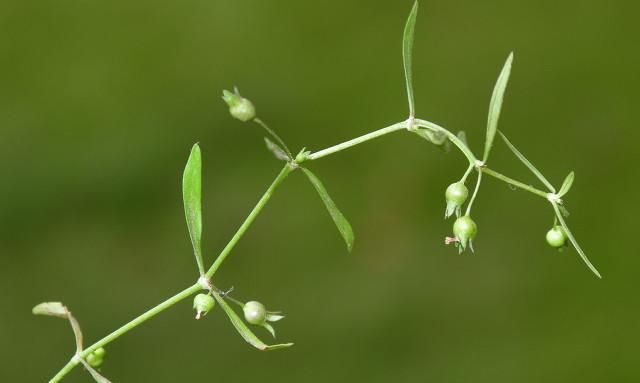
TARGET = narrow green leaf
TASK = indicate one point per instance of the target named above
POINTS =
(528, 164)
(435, 137)
(269, 328)
(277, 151)
(462, 136)
(407, 54)
(192, 197)
(338, 218)
(274, 316)
(55, 309)
(574, 242)
(496, 105)
(243, 329)
(566, 185)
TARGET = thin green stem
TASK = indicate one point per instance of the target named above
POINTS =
(475, 193)
(273, 135)
(126, 328)
(288, 168)
(358, 140)
(513, 182)
(466, 174)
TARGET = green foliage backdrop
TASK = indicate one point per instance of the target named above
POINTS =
(100, 103)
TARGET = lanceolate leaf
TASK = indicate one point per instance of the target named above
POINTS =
(407, 54)
(243, 329)
(462, 136)
(55, 309)
(341, 222)
(496, 105)
(277, 151)
(192, 196)
(528, 164)
(566, 185)
(574, 242)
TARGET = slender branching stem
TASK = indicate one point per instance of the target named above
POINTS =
(274, 135)
(358, 140)
(288, 168)
(126, 328)
(513, 182)
(409, 124)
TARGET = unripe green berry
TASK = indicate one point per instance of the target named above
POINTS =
(556, 237)
(255, 312)
(239, 107)
(96, 358)
(465, 230)
(457, 193)
(100, 352)
(203, 303)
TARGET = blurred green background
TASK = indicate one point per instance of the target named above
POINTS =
(100, 103)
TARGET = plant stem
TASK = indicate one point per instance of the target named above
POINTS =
(126, 328)
(513, 182)
(288, 168)
(358, 140)
(274, 135)
(475, 193)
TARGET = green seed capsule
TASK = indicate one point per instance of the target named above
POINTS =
(100, 352)
(556, 237)
(203, 303)
(255, 313)
(455, 195)
(239, 107)
(465, 230)
(96, 358)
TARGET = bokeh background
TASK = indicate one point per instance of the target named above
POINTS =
(100, 103)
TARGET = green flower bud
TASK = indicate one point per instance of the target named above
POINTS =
(556, 237)
(203, 303)
(96, 358)
(455, 195)
(255, 313)
(465, 231)
(239, 107)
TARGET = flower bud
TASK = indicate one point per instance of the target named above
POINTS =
(239, 107)
(456, 195)
(255, 312)
(465, 231)
(203, 303)
(556, 237)
(96, 358)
